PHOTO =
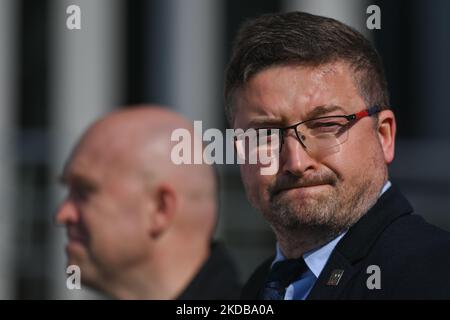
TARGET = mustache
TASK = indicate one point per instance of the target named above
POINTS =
(287, 182)
(74, 234)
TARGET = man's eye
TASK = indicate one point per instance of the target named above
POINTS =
(326, 126)
(80, 193)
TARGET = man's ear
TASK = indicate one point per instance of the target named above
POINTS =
(165, 208)
(386, 131)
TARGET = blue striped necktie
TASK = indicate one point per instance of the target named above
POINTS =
(280, 276)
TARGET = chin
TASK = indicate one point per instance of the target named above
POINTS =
(77, 254)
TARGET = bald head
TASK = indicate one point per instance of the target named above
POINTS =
(135, 143)
(133, 217)
(133, 134)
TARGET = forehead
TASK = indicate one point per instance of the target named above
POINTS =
(85, 163)
(97, 162)
(283, 92)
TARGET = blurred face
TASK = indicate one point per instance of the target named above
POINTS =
(326, 190)
(104, 215)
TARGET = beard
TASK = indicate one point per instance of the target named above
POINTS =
(328, 212)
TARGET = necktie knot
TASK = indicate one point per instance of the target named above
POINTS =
(280, 276)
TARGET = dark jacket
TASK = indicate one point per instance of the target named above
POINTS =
(216, 280)
(412, 255)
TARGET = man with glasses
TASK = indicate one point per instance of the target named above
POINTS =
(314, 92)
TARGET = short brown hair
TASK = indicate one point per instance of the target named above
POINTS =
(303, 39)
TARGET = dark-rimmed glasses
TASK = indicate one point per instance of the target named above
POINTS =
(315, 135)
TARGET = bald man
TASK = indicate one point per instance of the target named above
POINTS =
(139, 226)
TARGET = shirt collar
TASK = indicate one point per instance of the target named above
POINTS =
(317, 258)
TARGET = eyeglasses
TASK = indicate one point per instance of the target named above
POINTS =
(315, 135)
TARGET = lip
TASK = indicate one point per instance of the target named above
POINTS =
(310, 187)
(72, 238)
(72, 247)
(76, 236)
(76, 240)
(75, 244)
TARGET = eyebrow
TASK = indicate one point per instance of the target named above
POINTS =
(263, 122)
(317, 112)
(320, 111)
(78, 181)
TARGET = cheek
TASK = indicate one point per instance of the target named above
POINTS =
(255, 184)
(93, 217)
(355, 158)
(111, 224)
(119, 242)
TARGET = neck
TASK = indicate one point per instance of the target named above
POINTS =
(294, 244)
(165, 275)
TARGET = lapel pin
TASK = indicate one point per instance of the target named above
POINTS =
(336, 275)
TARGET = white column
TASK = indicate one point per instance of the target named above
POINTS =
(85, 82)
(186, 39)
(8, 37)
(195, 71)
(350, 12)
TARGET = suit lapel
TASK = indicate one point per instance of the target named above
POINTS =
(333, 278)
(357, 243)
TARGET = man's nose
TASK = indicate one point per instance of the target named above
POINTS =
(67, 213)
(294, 158)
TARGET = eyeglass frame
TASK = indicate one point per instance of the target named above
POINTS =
(351, 118)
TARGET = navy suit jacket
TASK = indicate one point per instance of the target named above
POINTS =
(413, 258)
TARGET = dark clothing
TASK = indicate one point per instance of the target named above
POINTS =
(280, 276)
(412, 255)
(216, 280)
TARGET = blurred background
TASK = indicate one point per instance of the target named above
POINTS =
(54, 82)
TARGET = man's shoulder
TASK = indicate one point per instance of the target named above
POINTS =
(217, 278)
(411, 235)
(413, 258)
(391, 233)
